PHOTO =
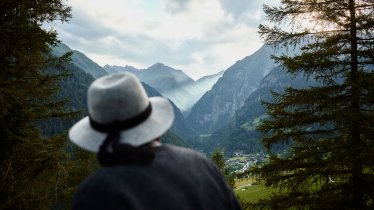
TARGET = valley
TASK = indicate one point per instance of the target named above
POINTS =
(215, 111)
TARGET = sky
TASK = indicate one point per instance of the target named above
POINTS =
(200, 37)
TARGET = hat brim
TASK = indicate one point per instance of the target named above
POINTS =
(160, 120)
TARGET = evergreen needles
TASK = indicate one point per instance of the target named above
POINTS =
(329, 127)
(32, 167)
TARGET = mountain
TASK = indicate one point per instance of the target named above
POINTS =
(74, 87)
(180, 126)
(80, 60)
(171, 83)
(240, 133)
(164, 78)
(207, 82)
(118, 69)
(199, 88)
(216, 107)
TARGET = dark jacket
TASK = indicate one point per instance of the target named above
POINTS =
(177, 179)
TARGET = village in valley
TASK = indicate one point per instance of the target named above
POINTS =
(241, 162)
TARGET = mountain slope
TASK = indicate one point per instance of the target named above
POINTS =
(164, 78)
(219, 104)
(74, 87)
(179, 127)
(199, 88)
(80, 60)
(171, 83)
(240, 133)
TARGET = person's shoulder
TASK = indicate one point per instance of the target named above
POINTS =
(185, 155)
(182, 151)
(98, 179)
(93, 190)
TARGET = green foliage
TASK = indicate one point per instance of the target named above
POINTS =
(330, 126)
(30, 176)
(73, 87)
(79, 165)
(254, 193)
(218, 158)
(31, 166)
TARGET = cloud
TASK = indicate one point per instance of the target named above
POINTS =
(239, 8)
(246, 11)
(175, 6)
(198, 36)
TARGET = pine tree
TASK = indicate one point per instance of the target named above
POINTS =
(218, 158)
(32, 167)
(328, 127)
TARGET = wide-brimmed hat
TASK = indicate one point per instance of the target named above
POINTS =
(119, 102)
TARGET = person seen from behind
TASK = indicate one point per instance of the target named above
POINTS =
(137, 171)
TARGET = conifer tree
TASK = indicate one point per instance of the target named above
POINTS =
(31, 165)
(329, 127)
(218, 158)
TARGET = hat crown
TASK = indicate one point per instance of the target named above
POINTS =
(116, 97)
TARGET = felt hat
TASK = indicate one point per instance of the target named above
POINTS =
(119, 103)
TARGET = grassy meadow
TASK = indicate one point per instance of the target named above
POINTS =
(251, 191)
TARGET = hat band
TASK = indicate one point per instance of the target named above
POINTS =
(116, 126)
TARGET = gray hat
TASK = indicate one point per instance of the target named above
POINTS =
(120, 99)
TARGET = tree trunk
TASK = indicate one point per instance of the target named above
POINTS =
(357, 190)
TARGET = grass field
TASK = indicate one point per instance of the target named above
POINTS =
(251, 193)
(240, 183)
(254, 192)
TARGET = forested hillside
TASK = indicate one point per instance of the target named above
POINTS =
(80, 60)
(240, 132)
(73, 88)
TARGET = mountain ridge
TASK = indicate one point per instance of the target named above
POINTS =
(80, 60)
(228, 94)
(240, 131)
(75, 88)
(171, 83)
